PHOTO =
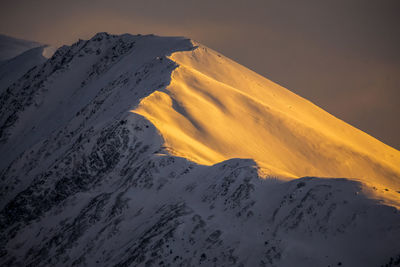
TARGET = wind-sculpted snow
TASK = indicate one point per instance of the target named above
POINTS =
(119, 69)
(215, 109)
(86, 182)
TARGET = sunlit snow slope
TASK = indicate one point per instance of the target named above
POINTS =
(86, 182)
(215, 109)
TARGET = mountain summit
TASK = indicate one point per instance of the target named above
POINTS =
(215, 109)
(140, 150)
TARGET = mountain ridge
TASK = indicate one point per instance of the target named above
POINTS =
(86, 182)
(188, 125)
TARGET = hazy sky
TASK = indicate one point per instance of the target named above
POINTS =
(343, 55)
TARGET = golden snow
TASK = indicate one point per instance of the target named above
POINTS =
(215, 109)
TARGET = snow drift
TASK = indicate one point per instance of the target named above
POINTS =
(215, 109)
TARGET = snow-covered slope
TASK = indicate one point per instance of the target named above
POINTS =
(11, 47)
(12, 69)
(18, 56)
(86, 182)
(215, 109)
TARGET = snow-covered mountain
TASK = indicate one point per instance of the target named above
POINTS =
(18, 56)
(157, 151)
(14, 68)
(11, 47)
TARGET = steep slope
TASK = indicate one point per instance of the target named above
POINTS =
(215, 109)
(13, 69)
(165, 211)
(49, 96)
(86, 182)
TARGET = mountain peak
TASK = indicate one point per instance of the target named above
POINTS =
(206, 169)
(215, 109)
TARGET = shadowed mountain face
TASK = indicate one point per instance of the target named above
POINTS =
(17, 57)
(11, 47)
(86, 182)
(13, 69)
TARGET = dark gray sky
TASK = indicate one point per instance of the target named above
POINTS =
(343, 55)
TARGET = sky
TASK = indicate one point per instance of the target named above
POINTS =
(343, 55)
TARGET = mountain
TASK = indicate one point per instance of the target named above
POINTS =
(215, 109)
(141, 150)
(13, 69)
(11, 47)
(18, 56)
